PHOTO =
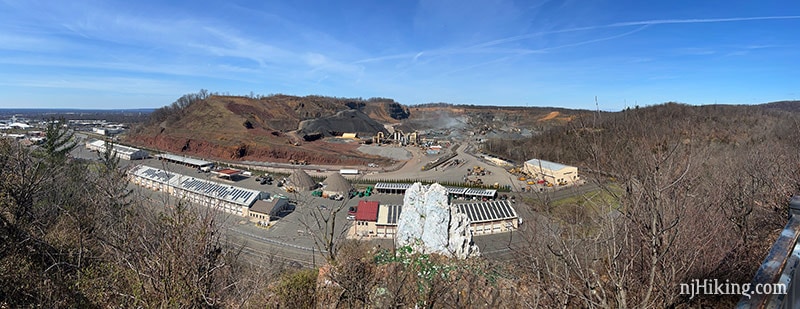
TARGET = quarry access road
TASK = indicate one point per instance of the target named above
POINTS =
(412, 170)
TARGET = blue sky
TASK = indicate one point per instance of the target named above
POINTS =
(138, 54)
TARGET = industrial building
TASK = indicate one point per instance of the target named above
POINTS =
(195, 163)
(397, 137)
(218, 196)
(263, 211)
(121, 151)
(375, 220)
(228, 173)
(366, 218)
(107, 131)
(552, 172)
(465, 193)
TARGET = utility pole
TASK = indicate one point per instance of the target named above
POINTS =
(597, 107)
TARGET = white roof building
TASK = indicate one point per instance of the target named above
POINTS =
(19, 125)
(184, 160)
(121, 151)
(225, 197)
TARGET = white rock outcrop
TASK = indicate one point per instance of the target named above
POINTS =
(429, 224)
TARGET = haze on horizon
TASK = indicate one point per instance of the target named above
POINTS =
(144, 54)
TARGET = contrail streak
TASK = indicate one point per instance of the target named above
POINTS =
(698, 20)
(643, 23)
(634, 23)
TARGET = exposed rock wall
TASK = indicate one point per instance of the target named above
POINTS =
(429, 224)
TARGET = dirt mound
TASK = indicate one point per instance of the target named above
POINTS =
(349, 121)
(393, 153)
(263, 128)
(551, 115)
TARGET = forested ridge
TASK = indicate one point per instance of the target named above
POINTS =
(688, 192)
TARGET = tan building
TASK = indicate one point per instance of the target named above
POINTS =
(386, 226)
(263, 211)
(552, 172)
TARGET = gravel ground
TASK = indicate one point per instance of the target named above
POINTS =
(394, 153)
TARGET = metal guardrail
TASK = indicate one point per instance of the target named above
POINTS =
(780, 267)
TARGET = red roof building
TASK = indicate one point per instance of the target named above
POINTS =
(229, 172)
(367, 211)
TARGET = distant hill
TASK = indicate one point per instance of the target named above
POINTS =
(728, 125)
(486, 118)
(282, 127)
(791, 106)
(265, 128)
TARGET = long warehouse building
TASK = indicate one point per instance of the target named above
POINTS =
(375, 220)
(121, 151)
(231, 199)
(469, 193)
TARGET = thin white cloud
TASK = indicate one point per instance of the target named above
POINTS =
(103, 84)
(633, 23)
(212, 70)
(384, 58)
(696, 51)
(477, 65)
(700, 20)
(598, 39)
(321, 63)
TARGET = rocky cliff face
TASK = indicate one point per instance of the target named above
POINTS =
(397, 111)
(429, 224)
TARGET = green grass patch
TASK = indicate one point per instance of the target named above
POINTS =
(599, 197)
(580, 209)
